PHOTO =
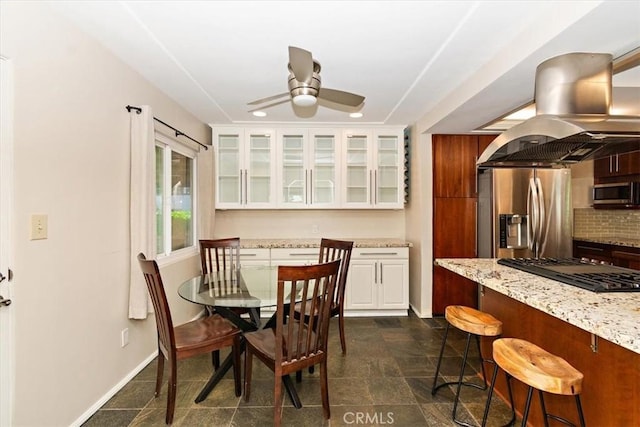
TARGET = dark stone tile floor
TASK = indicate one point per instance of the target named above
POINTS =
(384, 380)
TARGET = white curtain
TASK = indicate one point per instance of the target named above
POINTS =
(142, 208)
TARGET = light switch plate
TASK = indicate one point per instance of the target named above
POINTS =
(38, 229)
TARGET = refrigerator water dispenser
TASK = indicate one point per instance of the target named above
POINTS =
(513, 231)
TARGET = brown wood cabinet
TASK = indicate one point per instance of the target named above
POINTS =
(617, 166)
(455, 210)
(626, 257)
(622, 256)
(454, 164)
(611, 386)
(592, 250)
(455, 234)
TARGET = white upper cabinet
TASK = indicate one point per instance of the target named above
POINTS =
(389, 169)
(245, 168)
(358, 174)
(372, 169)
(307, 169)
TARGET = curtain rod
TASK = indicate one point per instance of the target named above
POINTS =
(138, 110)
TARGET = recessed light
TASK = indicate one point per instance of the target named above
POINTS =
(259, 114)
(355, 115)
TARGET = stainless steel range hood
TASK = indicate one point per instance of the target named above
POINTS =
(572, 122)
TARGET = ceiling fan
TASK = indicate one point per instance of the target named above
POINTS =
(304, 86)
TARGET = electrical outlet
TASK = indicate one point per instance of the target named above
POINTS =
(124, 337)
(38, 229)
(314, 229)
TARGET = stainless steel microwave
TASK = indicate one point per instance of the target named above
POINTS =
(625, 194)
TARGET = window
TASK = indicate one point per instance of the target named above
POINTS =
(175, 196)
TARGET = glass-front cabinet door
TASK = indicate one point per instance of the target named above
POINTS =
(358, 173)
(228, 163)
(372, 165)
(308, 170)
(292, 169)
(387, 177)
(259, 174)
(245, 165)
(324, 168)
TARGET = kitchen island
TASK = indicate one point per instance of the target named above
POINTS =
(598, 333)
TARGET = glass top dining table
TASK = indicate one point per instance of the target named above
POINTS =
(245, 287)
(249, 287)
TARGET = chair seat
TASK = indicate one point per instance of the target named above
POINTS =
(473, 321)
(204, 332)
(536, 367)
(307, 310)
(264, 341)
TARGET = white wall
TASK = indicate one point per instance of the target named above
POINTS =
(419, 223)
(292, 224)
(71, 136)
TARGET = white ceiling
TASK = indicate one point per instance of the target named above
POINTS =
(448, 66)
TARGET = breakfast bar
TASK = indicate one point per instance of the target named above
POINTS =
(597, 333)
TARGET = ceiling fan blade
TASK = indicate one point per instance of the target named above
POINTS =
(339, 107)
(301, 63)
(270, 105)
(268, 98)
(340, 97)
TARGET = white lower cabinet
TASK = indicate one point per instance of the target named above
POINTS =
(294, 256)
(378, 282)
(291, 256)
(255, 256)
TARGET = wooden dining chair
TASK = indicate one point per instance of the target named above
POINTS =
(295, 344)
(331, 250)
(194, 338)
(219, 255)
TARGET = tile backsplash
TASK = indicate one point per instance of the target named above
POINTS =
(593, 223)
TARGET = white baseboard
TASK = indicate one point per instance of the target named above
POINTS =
(115, 389)
(376, 313)
(104, 399)
(421, 315)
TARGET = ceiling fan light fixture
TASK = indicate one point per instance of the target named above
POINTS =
(304, 88)
(304, 100)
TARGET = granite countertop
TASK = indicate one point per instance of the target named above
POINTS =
(612, 240)
(612, 316)
(315, 243)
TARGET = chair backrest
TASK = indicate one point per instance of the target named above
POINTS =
(331, 250)
(297, 339)
(164, 324)
(219, 254)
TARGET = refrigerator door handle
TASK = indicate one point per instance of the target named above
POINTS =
(542, 217)
(532, 211)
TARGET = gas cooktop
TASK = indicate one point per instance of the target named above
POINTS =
(579, 272)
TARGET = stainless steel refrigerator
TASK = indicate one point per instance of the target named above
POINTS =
(524, 213)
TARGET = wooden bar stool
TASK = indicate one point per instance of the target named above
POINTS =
(475, 323)
(538, 369)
